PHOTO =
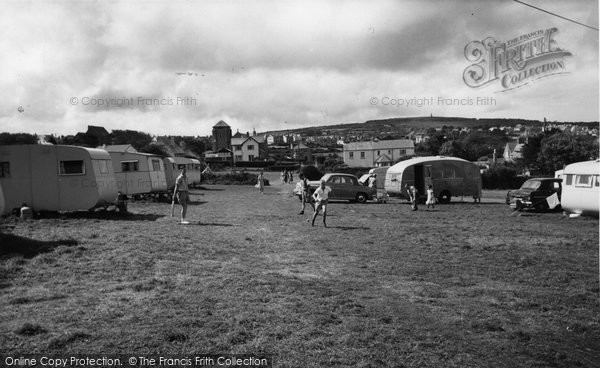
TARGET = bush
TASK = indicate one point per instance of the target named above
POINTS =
(501, 177)
(238, 178)
(311, 172)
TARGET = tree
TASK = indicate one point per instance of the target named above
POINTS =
(561, 149)
(451, 148)
(7, 139)
(138, 140)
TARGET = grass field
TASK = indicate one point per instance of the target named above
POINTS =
(464, 286)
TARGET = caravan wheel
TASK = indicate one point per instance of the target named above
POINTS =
(444, 197)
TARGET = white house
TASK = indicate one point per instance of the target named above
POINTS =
(377, 153)
(513, 151)
(246, 148)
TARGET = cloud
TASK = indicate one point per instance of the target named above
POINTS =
(261, 64)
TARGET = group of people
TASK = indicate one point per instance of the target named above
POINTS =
(317, 201)
(287, 177)
(413, 197)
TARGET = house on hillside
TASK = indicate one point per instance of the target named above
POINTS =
(513, 151)
(301, 152)
(377, 153)
(247, 148)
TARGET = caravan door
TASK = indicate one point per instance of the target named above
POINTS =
(419, 179)
(44, 171)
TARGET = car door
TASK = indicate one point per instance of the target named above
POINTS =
(335, 184)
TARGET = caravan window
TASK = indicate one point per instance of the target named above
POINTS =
(4, 169)
(103, 166)
(156, 165)
(428, 171)
(569, 179)
(75, 167)
(597, 180)
(584, 181)
(448, 173)
(130, 166)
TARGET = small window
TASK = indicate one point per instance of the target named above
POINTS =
(250, 147)
(597, 180)
(130, 166)
(403, 151)
(556, 185)
(74, 167)
(180, 166)
(584, 181)
(156, 165)
(103, 166)
(351, 154)
(569, 179)
(428, 171)
(448, 173)
(4, 169)
(378, 153)
(362, 155)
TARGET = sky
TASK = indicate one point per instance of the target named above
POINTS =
(179, 67)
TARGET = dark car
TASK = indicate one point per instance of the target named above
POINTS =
(533, 193)
(343, 187)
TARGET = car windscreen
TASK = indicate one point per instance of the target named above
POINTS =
(531, 184)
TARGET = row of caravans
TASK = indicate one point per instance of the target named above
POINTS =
(70, 178)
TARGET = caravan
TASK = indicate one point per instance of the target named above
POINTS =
(55, 178)
(450, 177)
(581, 188)
(192, 165)
(136, 172)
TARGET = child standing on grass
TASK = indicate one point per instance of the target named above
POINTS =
(261, 183)
(305, 195)
(430, 198)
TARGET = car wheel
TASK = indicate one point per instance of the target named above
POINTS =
(444, 197)
(361, 197)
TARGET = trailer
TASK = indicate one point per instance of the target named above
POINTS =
(449, 176)
(194, 172)
(56, 178)
(581, 188)
(171, 172)
(137, 173)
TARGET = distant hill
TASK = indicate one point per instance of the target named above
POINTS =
(411, 123)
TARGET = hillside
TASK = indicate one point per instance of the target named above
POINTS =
(417, 123)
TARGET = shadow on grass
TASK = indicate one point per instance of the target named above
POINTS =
(107, 215)
(207, 189)
(210, 224)
(29, 248)
(349, 227)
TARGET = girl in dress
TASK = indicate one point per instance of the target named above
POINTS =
(430, 198)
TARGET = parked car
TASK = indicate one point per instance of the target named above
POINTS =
(343, 187)
(533, 193)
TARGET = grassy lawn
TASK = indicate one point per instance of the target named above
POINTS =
(464, 286)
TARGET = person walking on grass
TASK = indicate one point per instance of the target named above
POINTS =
(181, 193)
(430, 198)
(282, 177)
(261, 183)
(321, 197)
(305, 195)
(412, 192)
